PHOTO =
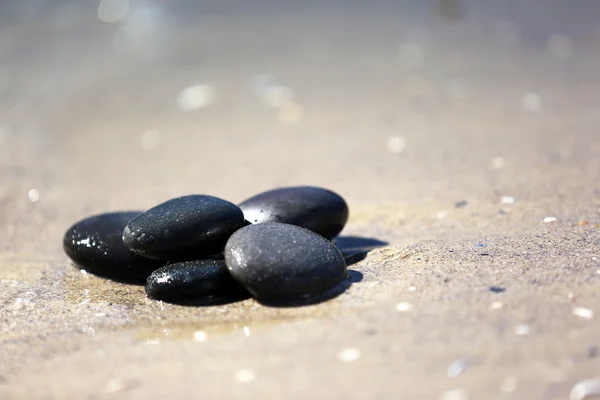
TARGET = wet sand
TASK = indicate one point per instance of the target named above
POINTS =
(465, 140)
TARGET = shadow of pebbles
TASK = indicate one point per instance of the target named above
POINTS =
(355, 248)
(352, 277)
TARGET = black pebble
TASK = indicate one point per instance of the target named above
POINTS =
(281, 261)
(184, 228)
(460, 204)
(96, 245)
(192, 279)
(320, 210)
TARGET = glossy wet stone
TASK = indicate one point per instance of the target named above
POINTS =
(96, 245)
(320, 210)
(281, 261)
(192, 279)
(184, 228)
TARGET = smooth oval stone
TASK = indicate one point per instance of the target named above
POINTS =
(320, 210)
(192, 279)
(96, 245)
(184, 228)
(281, 261)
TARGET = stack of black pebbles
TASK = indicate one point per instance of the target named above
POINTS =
(275, 245)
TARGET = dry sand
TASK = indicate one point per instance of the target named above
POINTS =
(407, 111)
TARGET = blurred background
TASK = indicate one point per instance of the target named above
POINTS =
(384, 100)
(118, 104)
(446, 124)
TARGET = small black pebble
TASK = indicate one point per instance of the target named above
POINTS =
(281, 261)
(184, 228)
(460, 204)
(497, 289)
(192, 279)
(592, 352)
(96, 245)
(319, 210)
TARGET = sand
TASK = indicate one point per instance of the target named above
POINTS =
(464, 139)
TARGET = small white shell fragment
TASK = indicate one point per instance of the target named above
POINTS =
(456, 394)
(404, 307)
(116, 385)
(244, 376)
(547, 220)
(200, 336)
(396, 144)
(33, 195)
(195, 97)
(458, 367)
(441, 214)
(522, 330)
(497, 163)
(507, 200)
(585, 389)
(111, 11)
(583, 312)
(349, 355)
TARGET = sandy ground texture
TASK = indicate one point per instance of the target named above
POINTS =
(464, 135)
